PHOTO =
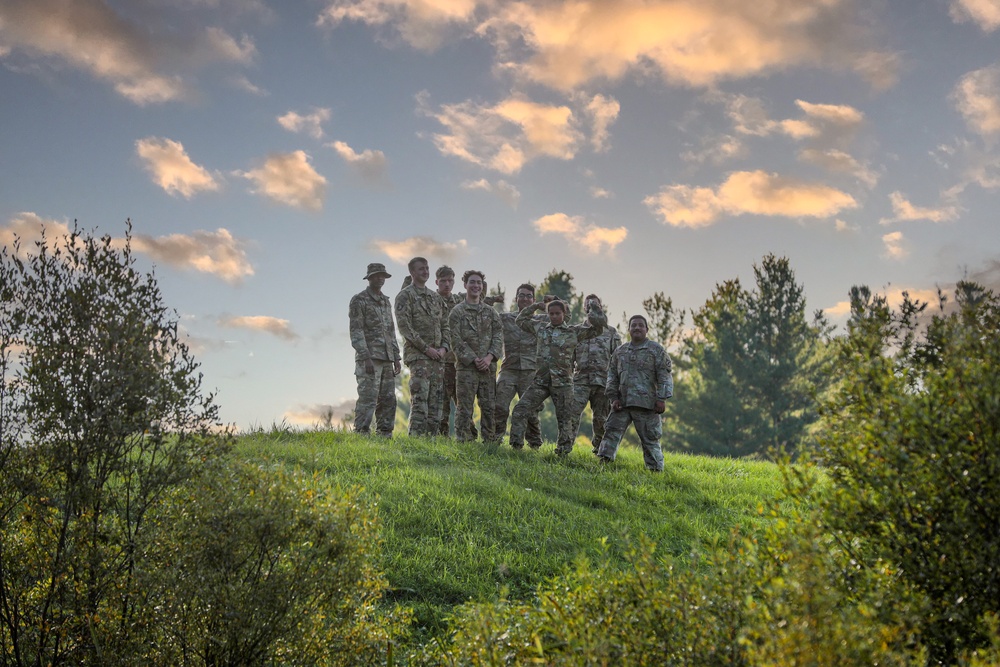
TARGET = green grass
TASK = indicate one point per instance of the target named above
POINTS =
(464, 521)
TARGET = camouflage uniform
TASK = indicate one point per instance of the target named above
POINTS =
(475, 332)
(520, 361)
(451, 301)
(554, 376)
(638, 377)
(591, 360)
(373, 337)
(422, 317)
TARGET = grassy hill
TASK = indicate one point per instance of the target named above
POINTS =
(463, 521)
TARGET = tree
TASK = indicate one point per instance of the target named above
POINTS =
(910, 442)
(560, 284)
(102, 413)
(666, 324)
(750, 368)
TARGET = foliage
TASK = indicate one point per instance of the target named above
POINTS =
(748, 372)
(253, 566)
(666, 323)
(910, 441)
(103, 412)
(560, 284)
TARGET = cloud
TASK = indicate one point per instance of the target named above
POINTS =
(243, 83)
(977, 98)
(311, 123)
(423, 24)
(289, 179)
(717, 150)
(600, 193)
(217, 253)
(755, 192)
(845, 227)
(501, 189)
(420, 246)
(272, 325)
(140, 62)
(27, 227)
(603, 111)
(369, 164)
(505, 136)
(840, 162)
(570, 43)
(984, 13)
(825, 124)
(318, 413)
(594, 239)
(894, 248)
(903, 210)
(172, 169)
(894, 297)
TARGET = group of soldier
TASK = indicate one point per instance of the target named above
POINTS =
(453, 341)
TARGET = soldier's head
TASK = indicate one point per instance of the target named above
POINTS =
(590, 301)
(525, 295)
(420, 271)
(638, 327)
(444, 278)
(557, 312)
(474, 282)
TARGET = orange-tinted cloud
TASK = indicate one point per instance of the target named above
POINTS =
(420, 246)
(592, 238)
(171, 168)
(217, 253)
(984, 13)
(905, 211)
(755, 192)
(977, 98)
(272, 325)
(289, 178)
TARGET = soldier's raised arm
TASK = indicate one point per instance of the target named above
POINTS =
(524, 318)
(596, 322)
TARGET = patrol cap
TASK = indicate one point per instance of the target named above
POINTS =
(376, 268)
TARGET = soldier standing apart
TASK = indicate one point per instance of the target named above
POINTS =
(477, 340)
(639, 384)
(554, 377)
(376, 355)
(423, 322)
(591, 360)
(519, 365)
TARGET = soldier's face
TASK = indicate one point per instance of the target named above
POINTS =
(637, 330)
(556, 316)
(377, 281)
(590, 303)
(524, 299)
(474, 286)
(421, 273)
(445, 285)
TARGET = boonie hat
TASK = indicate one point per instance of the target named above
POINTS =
(374, 269)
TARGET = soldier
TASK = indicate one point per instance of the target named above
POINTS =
(423, 322)
(519, 365)
(376, 355)
(639, 384)
(591, 359)
(477, 341)
(554, 377)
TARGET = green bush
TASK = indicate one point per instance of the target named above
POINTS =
(911, 446)
(252, 566)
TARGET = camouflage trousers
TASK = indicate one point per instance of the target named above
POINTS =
(471, 386)
(649, 428)
(599, 405)
(509, 384)
(426, 396)
(376, 398)
(562, 401)
(449, 399)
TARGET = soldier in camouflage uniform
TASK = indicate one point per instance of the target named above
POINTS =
(639, 384)
(422, 317)
(554, 377)
(477, 341)
(444, 278)
(376, 355)
(519, 365)
(590, 362)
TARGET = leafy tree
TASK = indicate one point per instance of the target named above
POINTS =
(750, 367)
(103, 413)
(560, 284)
(666, 323)
(910, 441)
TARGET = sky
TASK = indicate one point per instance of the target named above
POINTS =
(266, 152)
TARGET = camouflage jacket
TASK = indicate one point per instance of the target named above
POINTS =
(422, 317)
(373, 335)
(475, 332)
(556, 344)
(520, 347)
(451, 301)
(592, 356)
(639, 375)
